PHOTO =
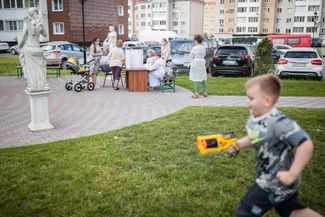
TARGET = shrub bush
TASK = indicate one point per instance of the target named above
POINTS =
(263, 60)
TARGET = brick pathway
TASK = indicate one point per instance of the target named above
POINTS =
(87, 113)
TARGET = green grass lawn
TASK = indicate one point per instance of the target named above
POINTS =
(216, 85)
(236, 86)
(150, 169)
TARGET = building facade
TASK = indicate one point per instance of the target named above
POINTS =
(12, 15)
(65, 19)
(185, 17)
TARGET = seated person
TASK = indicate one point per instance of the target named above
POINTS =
(157, 71)
(151, 57)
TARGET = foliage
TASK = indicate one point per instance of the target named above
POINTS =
(150, 169)
(320, 51)
(234, 86)
(263, 60)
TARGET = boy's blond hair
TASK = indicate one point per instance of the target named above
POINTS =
(268, 84)
(119, 43)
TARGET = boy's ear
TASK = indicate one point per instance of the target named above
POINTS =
(269, 100)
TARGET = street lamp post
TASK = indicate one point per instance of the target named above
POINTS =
(83, 28)
(315, 17)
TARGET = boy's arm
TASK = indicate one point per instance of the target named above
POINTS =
(243, 142)
(302, 157)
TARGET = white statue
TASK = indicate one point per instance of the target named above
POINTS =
(111, 38)
(31, 54)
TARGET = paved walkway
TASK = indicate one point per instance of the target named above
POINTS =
(87, 113)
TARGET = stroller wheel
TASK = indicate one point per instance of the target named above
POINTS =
(90, 86)
(68, 85)
(77, 87)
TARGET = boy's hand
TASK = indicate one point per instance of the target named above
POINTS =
(286, 177)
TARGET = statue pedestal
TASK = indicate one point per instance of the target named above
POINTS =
(39, 110)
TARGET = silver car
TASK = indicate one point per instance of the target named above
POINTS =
(4, 47)
(300, 62)
(58, 52)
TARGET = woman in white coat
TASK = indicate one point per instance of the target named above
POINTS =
(198, 72)
(157, 71)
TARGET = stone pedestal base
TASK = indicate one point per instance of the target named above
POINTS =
(39, 110)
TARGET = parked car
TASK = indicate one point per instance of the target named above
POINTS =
(276, 54)
(233, 60)
(14, 50)
(58, 52)
(282, 47)
(4, 47)
(316, 42)
(180, 53)
(300, 62)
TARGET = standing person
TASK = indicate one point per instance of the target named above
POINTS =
(31, 54)
(274, 137)
(165, 50)
(117, 58)
(198, 72)
(95, 52)
(157, 71)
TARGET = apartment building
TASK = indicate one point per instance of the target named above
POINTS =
(65, 19)
(262, 17)
(185, 17)
(12, 14)
(209, 22)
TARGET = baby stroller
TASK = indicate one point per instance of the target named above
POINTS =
(81, 76)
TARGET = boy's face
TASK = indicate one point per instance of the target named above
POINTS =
(258, 102)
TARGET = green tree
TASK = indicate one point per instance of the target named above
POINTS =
(263, 60)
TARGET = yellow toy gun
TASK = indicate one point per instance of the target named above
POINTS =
(216, 143)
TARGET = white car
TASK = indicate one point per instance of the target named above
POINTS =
(282, 47)
(4, 47)
(300, 62)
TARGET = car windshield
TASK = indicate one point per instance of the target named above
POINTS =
(301, 54)
(48, 47)
(235, 51)
(180, 47)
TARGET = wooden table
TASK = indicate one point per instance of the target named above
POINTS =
(136, 80)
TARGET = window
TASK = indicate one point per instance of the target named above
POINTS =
(309, 29)
(298, 29)
(294, 40)
(121, 29)
(288, 20)
(120, 10)
(76, 47)
(289, 10)
(143, 7)
(1, 25)
(253, 9)
(278, 20)
(279, 1)
(58, 28)
(267, 1)
(242, 0)
(288, 30)
(57, 5)
(299, 19)
(230, 30)
(310, 19)
(231, 11)
(221, 30)
(231, 21)
(313, 8)
(13, 25)
(279, 10)
(252, 29)
(222, 2)
(252, 19)
(323, 31)
(241, 9)
(265, 30)
(232, 1)
(267, 10)
(221, 22)
(241, 29)
(143, 15)
(277, 30)
(31, 3)
(12, 4)
(222, 11)
(175, 23)
(266, 20)
(143, 24)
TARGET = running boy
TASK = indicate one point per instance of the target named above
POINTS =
(278, 169)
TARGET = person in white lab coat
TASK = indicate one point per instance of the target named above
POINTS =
(157, 71)
(198, 72)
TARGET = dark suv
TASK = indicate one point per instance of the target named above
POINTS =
(233, 60)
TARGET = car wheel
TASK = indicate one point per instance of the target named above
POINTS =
(90, 86)
(13, 52)
(319, 78)
(78, 87)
